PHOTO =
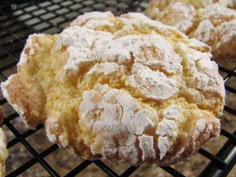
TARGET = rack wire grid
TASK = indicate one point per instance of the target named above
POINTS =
(18, 19)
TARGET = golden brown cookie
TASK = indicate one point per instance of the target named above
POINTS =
(208, 21)
(3, 148)
(119, 88)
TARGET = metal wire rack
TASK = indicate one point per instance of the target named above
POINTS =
(18, 19)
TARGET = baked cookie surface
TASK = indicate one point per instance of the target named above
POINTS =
(212, 22)
(119, 88)
(3, 147)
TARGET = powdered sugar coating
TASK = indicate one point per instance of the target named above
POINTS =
(205, 31)
(105, 68)
(18, 109)
(117, 113)
(146, 144)
(128, 88)
(164, 145)
(217, 14)
(24, 56)
(228, 3)
(152, 84)
(94, 20)
(167, 128)
(204, 20)
(172, 112)
(99, 46)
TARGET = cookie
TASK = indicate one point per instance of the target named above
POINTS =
(210, 22)
(123, 88)
(3, 147)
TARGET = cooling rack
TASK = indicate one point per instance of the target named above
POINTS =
(18, 19)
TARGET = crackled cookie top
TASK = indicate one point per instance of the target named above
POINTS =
(119, 88)
(207, 21)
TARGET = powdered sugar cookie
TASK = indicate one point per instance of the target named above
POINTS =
(210, 22)
(119, 88)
